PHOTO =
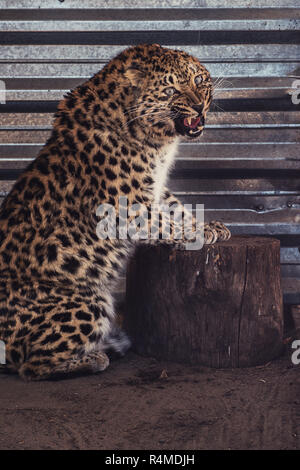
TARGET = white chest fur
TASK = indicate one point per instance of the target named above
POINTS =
(164, 164)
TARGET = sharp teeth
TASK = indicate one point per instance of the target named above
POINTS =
(189, 120)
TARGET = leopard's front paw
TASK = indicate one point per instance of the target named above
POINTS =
(210, 235)
(222, 231)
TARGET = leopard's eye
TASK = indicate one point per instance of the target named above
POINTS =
(170, 91)
(198, 80)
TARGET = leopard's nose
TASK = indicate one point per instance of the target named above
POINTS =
(198, 108)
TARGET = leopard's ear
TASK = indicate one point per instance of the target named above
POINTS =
(134, 75)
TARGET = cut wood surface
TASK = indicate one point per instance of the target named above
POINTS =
(220, 306)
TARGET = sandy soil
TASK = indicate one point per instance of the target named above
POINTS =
(141, 403)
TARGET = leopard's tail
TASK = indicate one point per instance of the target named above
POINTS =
(116, 341)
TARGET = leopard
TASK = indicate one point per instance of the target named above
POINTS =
(115, 135)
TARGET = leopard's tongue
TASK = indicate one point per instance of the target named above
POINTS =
(193, 124)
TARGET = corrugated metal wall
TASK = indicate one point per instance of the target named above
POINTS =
(246, 168)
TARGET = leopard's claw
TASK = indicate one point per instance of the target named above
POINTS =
(222, 231)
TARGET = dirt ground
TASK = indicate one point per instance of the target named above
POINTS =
(141, 403)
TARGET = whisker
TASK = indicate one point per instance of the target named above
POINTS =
(157, 113)
(215, 104)
(223, 82)
(216, 82)
(219, 83)
(134, 108)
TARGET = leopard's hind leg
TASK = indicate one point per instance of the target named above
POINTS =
(66, 335)
(89, 363)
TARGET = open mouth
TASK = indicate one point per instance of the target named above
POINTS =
(187, 126)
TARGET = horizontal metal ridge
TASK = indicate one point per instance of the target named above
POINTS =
(148, 15)
(219, 82)
(231, 93)
(158, 25)
(85, 70)
(283, 103)
(200, 164)
(222, 126)
(149, 19)
(193, 152)
(43, 121)
(227, 90)
(78, 52)
(167, 37)
(135, 4)
(211, 135)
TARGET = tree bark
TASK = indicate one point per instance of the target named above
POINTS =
(220, 306)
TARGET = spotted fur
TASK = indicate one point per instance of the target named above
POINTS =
(115, 135)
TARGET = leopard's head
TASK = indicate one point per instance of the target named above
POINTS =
(172, 91)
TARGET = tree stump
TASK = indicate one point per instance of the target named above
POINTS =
(220, 306)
